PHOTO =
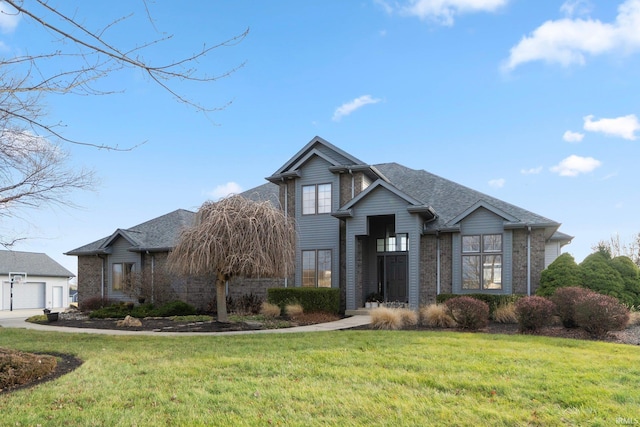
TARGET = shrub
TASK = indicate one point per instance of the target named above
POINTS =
(248, 304)
(562, 272)
(505, 313)
(493, 301)
(436, 316)
(174, 308)
(17, 368)
(94, 303)
(468, 313)
(269, 310)
(409, 317)
(293, 310)
(116, 311)
(630, 274)
(533, 313)
(386, 318)
(565, 300)
(599, 314)
(600, 276)
(312, 299)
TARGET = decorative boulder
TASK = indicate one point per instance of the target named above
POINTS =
(128, 322)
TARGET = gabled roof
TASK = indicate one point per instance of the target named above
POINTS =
(32, 263)
(415, 206)
(158, 234)
(452, 201)
(338, 159)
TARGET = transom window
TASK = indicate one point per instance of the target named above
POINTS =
(482, 262)
(316, 199)
(121, 275)
(397, 243)
(316, 268)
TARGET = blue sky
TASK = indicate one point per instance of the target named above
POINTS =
(531, 102)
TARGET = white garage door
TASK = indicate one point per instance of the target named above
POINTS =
(27, 295)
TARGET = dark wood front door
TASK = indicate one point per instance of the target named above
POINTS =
(396, 278)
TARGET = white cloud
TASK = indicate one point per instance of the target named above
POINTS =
(531, 171)
(575, 165)
(225, 190)
(572, 136)
(623, 127)
(497, 183)
(351, 106)
(576, 7)
(443, 11)
(567, 41)
(9, 18)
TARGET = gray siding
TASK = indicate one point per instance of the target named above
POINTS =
(382, 202)
(121, 254)
(318, 231)
(340, 159)
(483, 221)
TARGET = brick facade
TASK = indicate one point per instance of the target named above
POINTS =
(89, 278)
(519, 275)
(429, 267)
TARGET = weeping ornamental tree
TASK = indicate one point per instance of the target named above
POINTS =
(235, 237)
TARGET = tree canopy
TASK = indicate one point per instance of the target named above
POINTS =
(235, 237)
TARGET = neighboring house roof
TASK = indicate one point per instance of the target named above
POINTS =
(32, 263)
(156, 235)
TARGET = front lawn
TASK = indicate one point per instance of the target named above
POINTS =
(329, 378)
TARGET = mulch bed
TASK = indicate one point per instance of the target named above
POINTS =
(66, 363)
(158, 325)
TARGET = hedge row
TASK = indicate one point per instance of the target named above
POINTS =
(311, 299)
(493, 301)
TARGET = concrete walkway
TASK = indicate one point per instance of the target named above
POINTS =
(16, 319)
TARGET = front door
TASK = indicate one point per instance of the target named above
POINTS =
(396, 278)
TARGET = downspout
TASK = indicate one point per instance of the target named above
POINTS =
(529, 260)
(102, 270)
(353, 184)
(153, 274)
(286, 216)
(437, 262)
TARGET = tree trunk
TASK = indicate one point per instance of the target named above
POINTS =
(221, 298)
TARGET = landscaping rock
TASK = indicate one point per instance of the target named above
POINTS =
(128, 322)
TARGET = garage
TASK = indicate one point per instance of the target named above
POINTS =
(25, 295)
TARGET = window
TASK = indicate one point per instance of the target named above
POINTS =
(482, 262)
(121, 275)
(316, 199)
(398, 243)
(316, 268)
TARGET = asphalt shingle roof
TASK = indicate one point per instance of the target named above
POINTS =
(32, 263)
(158, 234)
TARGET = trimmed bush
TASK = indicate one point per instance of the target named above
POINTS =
(634, 318)
(565, 300)
(312, 299)
(493, 301)
(598, 314)
(533, 313)
(270, 310)
(436, 316)
(468, 313)
(386, 318)
(505, 313)
(630, 274)
(174, 308)
(562, 272)
(600, 276)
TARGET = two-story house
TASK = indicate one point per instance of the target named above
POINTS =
(404, 234)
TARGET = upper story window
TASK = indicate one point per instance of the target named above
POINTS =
(316, 199)
(397, 243)
(482, 262)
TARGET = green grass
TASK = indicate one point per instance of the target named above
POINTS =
(334, 378)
